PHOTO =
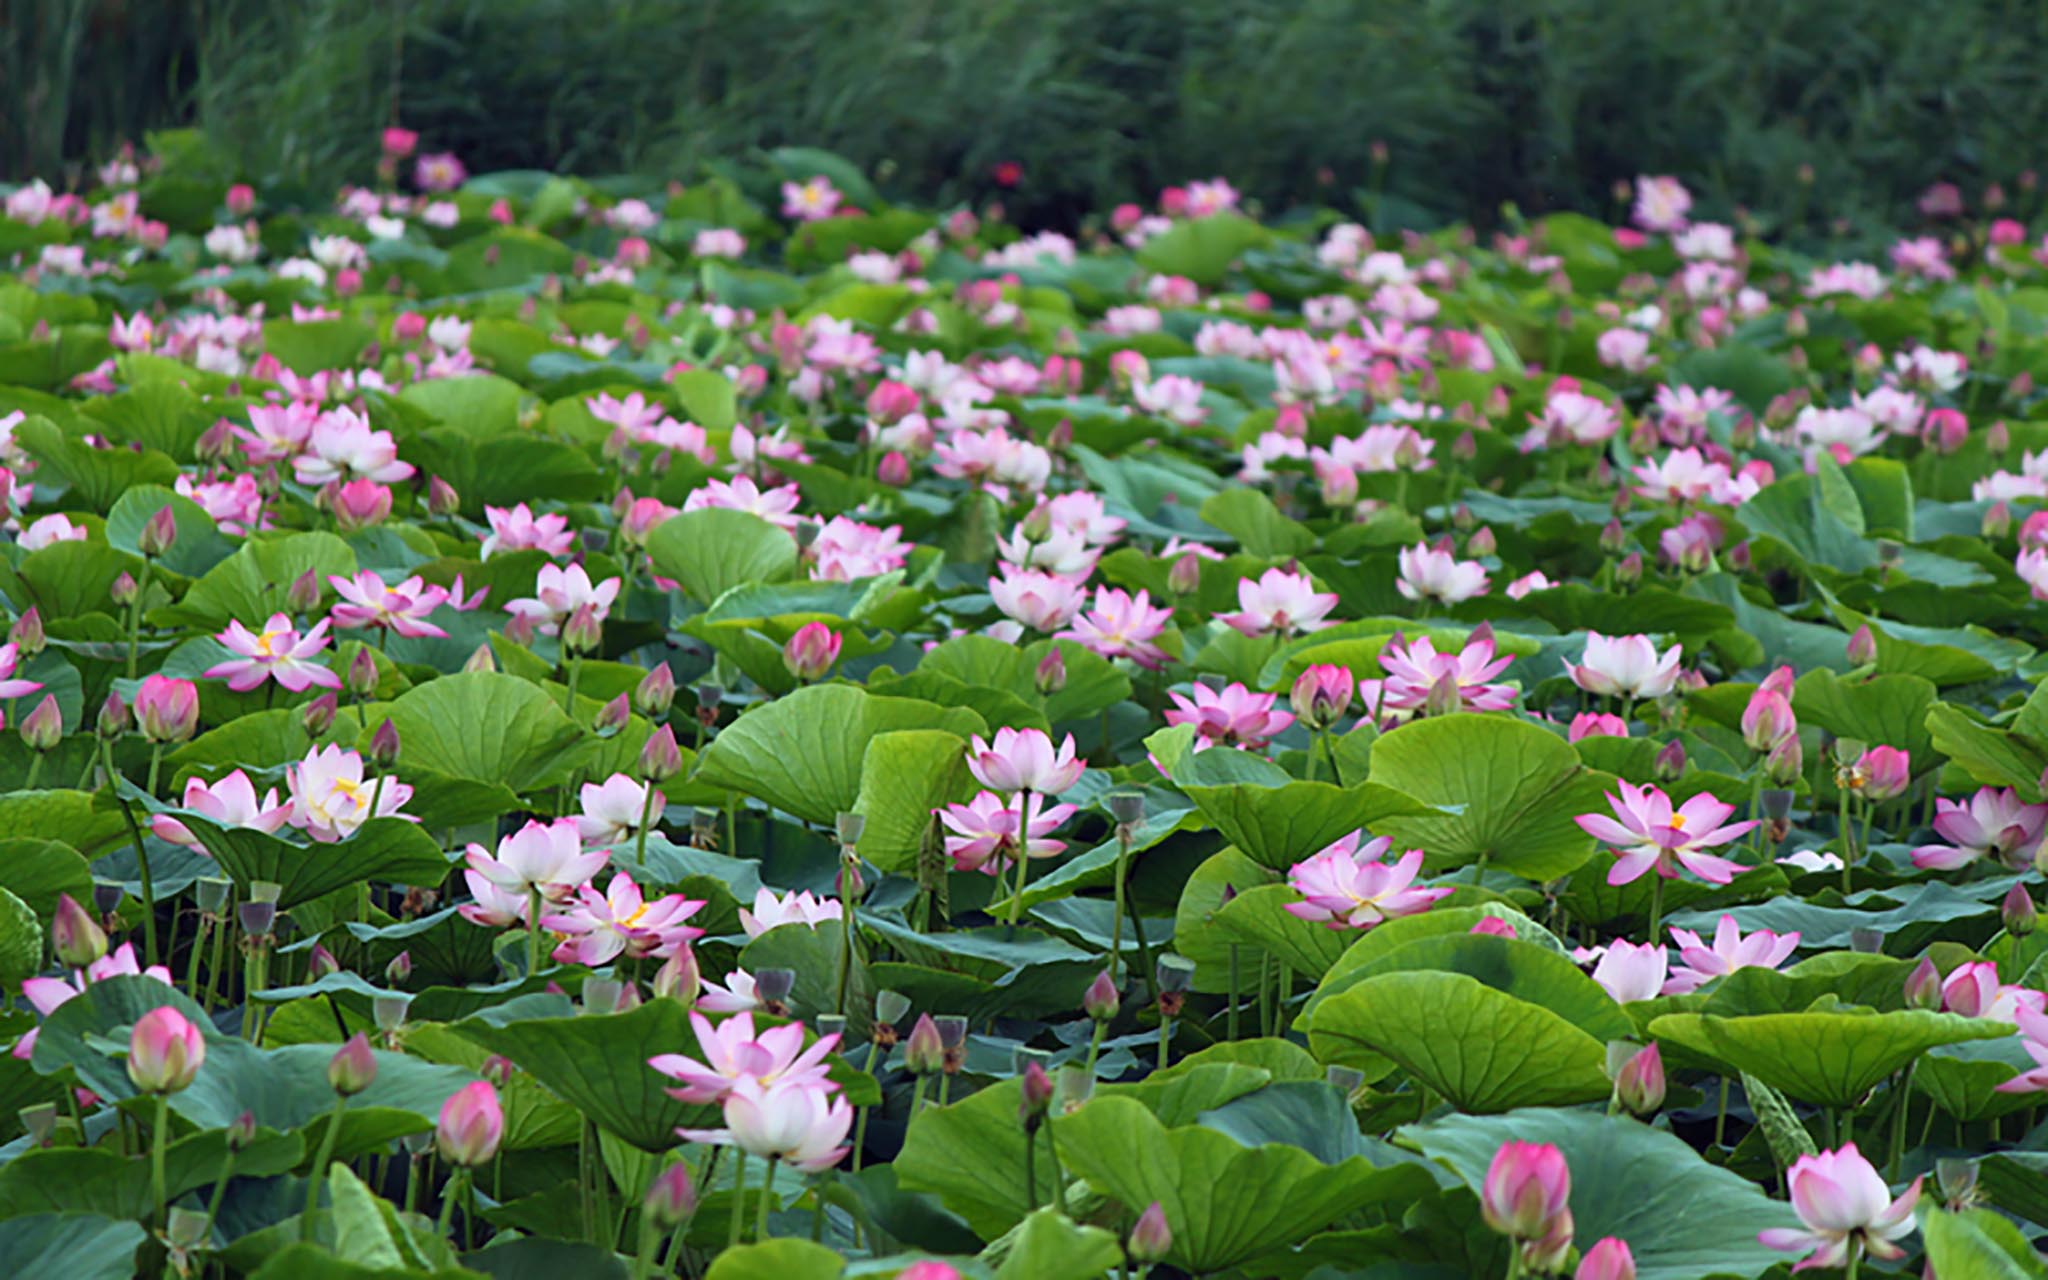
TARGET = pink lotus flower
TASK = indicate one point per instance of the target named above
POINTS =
(440, 171)
(986, 831)
(1279, 602)
(612, 810)
(777, 506)
(803, 1125)
(1236, 716)
(516, 528)
(1122, 625)
(811, 200)
(733, 1052)
(1041, 601)
(470, 1126)
(493, 907)
(1625, 666)
(231, 802)
(278, 652)
(545, 856)
(165, 1051)
(600, 927)
(277, 433)
(1974, 991)
(1629, 972)
(736, 996)
(559, 593)
(367, 602)
(1415, 669)
(1731, 951)
(1885, 772)
(810, 653)
(2033, 1025)
(48, 532)
(1346, 886)
(1992, 823)
(1684, 475)
(331, 797)
(847, 551)
(1651, 835)
(1846, 1208)
(10, 688)
(1430, 574)
(1610, 1259)
(342, 446)
(795, 907)
(1661, 204)
(1526, 1189)
(48, 994)
(1024, 760)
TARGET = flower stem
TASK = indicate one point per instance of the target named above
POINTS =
(1116, 923)
(646, 816)
(220, 1191)
(1231, 1014)
(159, 1141)
(319, 1177)
(135, 615)
(650, 1242)
(1031, 1171)
(1095, 1046)
(1656, 904)
(141, 854)
(1848, 845)
(1165, 1041)
(532, 929)
(1900, 1117)
(739, 1200)
(1023, 854)
(449, 1195)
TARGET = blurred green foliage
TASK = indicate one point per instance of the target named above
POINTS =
(1541, 102)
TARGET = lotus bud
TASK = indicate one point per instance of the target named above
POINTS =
(165, 1051)
(810, 653)
(1785, 763)
(1100, 1001)
(303, 595)
(612, 717)
(894, 469)
(1322, 694)
(317, 716)
(362, 673)
(158, 532)
(1482, 543)
(679, 978)
(320, 962)
(113, 719)
(481, 659)
(1639, 1082)
(1185, 577)
(43, 727)
(661, 759)
(1613, 538)
(1607, 1260)
(497, 1069)
(1036, 1098)
(1923, 985)
(671, 1197)
(123, 590)
(1886, 772)
(1862, 647)
(1444, 696)
(442, 500)
(1051, 674)
(216, 444)
(384, 745)
(2017, 911)
(1670, 761)
(519, 630)
(1998, 438)
(1151, 1239)
(923, 1052)
(241, 1131)
(353, 1068)
(656, 692)
(1997, 521)
(167, 709)
(1629, 571)
(399, 968)
(582, 633)
(26, 635)
(75, 936)
(470, 1125)
(1526, 1190)
(1462, 518)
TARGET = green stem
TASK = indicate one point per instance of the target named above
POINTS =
(739, 1195)
(319, 1177)
(220, 1191)
(159, 1142)
(1330, 753)
(1023, 854)
(650, 1243)
(192, 962)
(1231, 1013)
(1848, 846)
(646, 816)
(917, 1095)
(1165, 1042)
(1116, 923)
(141, 855)
(845, 938)
(1849, 1268)
(532, 929)
(1899, 1119)
(135, 616)
(156, 759)
(1095, 1046)
(1031, 1172)
(449, 1195)
(35, 770)
(1656, 903)
(1721, 1115)
(1059, 1171)
(575, 666)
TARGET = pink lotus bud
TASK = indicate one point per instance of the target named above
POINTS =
(164, 1051)
(498, 1070)
(113, 720)
(1607, 1260)
(1999, 438)
(123, 590)
(320, 962)
(1639, 1084)
(1786, 761)
(75, 936)
(398, 143)
(1596, 724)
(167, 708)
(43, 727)
(317, 716)
(482, 659)
(1923, 986)
(811, 652)
(241, 198)
(661, 759)
(26, 635)
(1128, 367)
(470, 1126)
(1526, 1188)
(1670, 761)
(582, 633)
(1051, 674)
(893, 470)
(1945, 430)
(1886, 772)
(1482, 543)
(362, 673)
(1768, 720)
(656, 692)
(1444, 696)
(679, 977)
(1493, 926)
(159, 532)
(612, 717)
(1997, 522)
(1151, 1239)
(353, 1068)
(303, 595)
(1185, 577)
(1862, 647)
(642, 518)
(399, 968)
(359, 504)
(1100, 1000)
(671, 1197)
(1036, 1097)
(442, 500)
(2018, 911)
(384, 745)
(931, 1268)
(890, 402)
(1462, 518)
(923, 1051)
(408, 326)
(1322, 694)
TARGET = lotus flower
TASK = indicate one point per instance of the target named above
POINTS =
(1279, 601)
(1346, 886)
(1024, 760)
(733, 1052)
(795, 907)
(600, 927)
(1236, 715)
(1846, 1207)
(1651, 835)
(1731, 951)
(1992, 823)
(1625, 666)
(278, 652)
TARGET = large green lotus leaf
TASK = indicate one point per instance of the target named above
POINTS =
(1096, 868)
(1624, 909)
(382, 849)
(1920, 912)
(478, 405)
(1682, 1217)
(707, 398)
(251, 584)
(1383, 939)
(1962, 1079)
(1197, 935)
(97, 1180)
(788, 1258)
(903, 777)
(1482, 1049)
(1311, 1114)
(1992, 756)
(85, 821)
(714, 550)
(1250, 517)
(971, 1156)
(1512, 789)
(1944, 655)
(99, 476)
(994, 706)
(1977, 1244)
(1524, 970)
(309, 346)
(77, 1246)
(540, 1258)
(598, 1063)
(1051, 1246)
(259, 740)
(1225, 1202)
(1281, 825)
(72, 578)
(1849, 977)
(1201, 249)
(285, 1089)
(37, 870)
(802, 753)
(1888, 711)
(1258, 917)
(482, 726)
(199, 546)
(1092, 682)
(1830, 1059)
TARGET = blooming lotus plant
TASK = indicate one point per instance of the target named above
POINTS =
(1347, 886)
(1845, 1210)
